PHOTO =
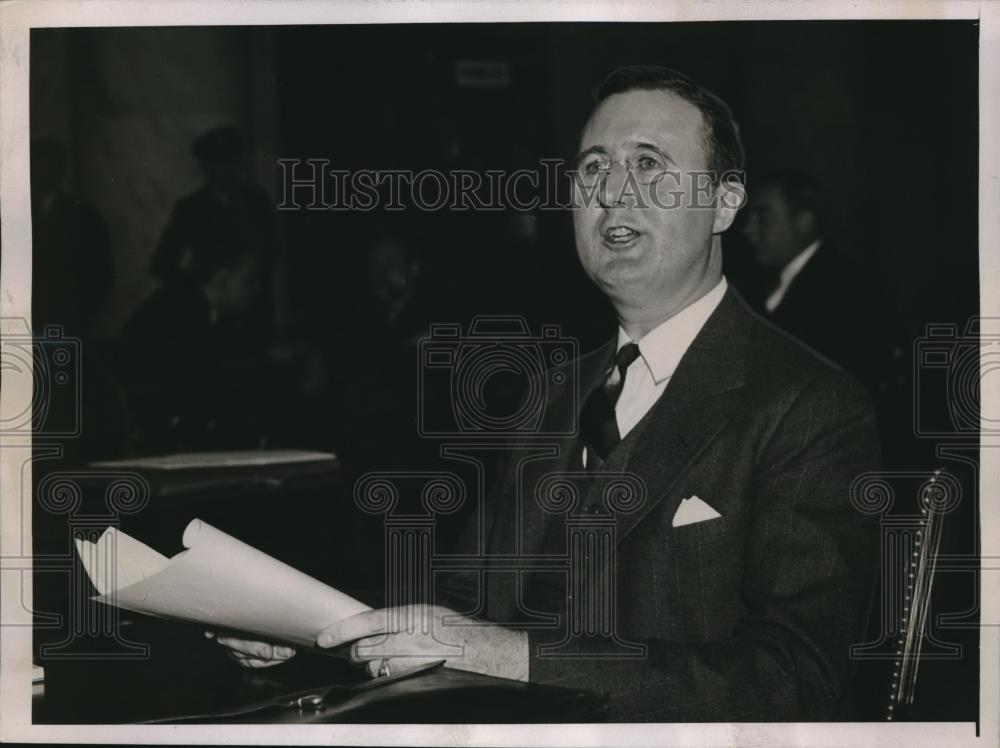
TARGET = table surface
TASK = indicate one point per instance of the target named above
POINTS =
(186, 677)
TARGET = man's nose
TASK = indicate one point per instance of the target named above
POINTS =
(613, 190)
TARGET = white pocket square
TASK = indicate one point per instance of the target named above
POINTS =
(693, 510)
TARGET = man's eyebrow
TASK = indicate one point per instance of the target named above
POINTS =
(643, 145)
(598, 149)
(631, 144)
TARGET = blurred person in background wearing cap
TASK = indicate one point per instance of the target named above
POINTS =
(226, 198)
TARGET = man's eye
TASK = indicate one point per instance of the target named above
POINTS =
(596, 167)
(648, 163)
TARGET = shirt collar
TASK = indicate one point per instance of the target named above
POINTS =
(663, 347)
(794, 267)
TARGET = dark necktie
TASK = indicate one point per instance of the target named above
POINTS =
(598, 424)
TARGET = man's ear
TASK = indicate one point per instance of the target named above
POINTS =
(730, 196)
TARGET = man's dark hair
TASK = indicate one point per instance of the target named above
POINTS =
(720, 134)
(800, 191)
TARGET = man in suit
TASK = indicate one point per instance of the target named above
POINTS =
(734, 573)
(818, 294)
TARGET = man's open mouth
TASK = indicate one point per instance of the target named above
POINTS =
(619, 235)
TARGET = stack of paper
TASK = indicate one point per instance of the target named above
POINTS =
(218, 581)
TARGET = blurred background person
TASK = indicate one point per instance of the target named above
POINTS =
(194, 384)
(394, 276)
(72, 270)
(226, 198)
(372, 364)
(72, 274)
(816, 293)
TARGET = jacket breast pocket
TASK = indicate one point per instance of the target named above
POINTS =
(707, 532)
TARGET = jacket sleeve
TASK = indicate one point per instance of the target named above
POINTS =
(810, 568)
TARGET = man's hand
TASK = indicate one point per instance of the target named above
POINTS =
(396, 640)
(250, 653)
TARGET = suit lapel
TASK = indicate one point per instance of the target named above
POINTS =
(691, 411)
(563, 409)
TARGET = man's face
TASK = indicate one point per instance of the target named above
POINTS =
(390, 273)
(225, 173)
(647, 244)
(772, 228)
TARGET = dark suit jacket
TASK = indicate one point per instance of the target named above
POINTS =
(746, 617)
(840, 311)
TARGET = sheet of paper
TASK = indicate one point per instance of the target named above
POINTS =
(188, 460)
(219, 582)
(118, 560)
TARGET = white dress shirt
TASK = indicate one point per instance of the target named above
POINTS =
(660, 350)
(788, 274)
